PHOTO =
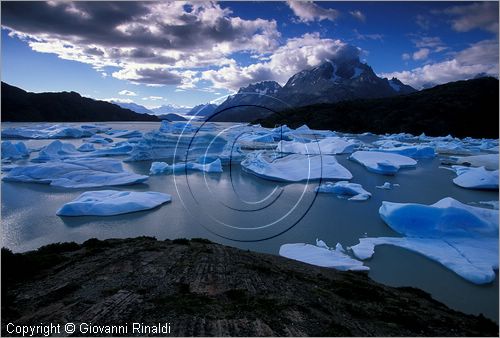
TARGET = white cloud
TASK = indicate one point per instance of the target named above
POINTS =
(153, 98)
(478, 15)
(421, 54)
(405, 56)
(358, 15)
(127, 93)
(297, 54)
(116, 99)
(308, 11)
(479, 58)
(146, 41)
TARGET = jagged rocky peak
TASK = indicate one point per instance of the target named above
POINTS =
(263, 88)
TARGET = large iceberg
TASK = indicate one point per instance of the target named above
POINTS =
(351, 191)
(112, 202)
(413, 151)
(158, 168)
(48, 132)
(461, 237)
(295, 167)
(129, 134)
(475, 178)
(381, 162)
(321, 255)
(14, 151)
(160, 145)
(76, 173)
(488, 161)
(58, 150)
(326, 146)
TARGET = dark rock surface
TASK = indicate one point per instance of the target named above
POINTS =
(206, 289)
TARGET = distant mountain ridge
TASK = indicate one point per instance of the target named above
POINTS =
(133, 107)
(170, 109)
(19, 105)
(461, 108)
(330, 82)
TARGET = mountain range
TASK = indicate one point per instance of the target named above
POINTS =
(330, 82)
(462, 108)
(19, 105)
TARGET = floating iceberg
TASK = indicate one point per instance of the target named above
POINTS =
(295, 167)
(158, 168)
(57, 150)
(112, 202)
(386, 186)
(76, 173)
(353, 191)
(382, 163)
(158, 145)
(489, 161)
(326, 146)
(86, 147)
(321, 255)
(99, 139)
(11, 151)
(475, 178)
(417, 151)
(125, 133)
(47, 132)
(461, 237)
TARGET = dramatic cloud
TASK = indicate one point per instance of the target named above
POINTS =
(127, 93)
(297, 54)
(308, 11)
(421, 54)
(145, 40)
(358, 15)
(482, 15)
(479, 58)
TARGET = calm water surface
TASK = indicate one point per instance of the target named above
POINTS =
(241, 210)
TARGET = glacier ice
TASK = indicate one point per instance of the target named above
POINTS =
(47, 132)
(326, 146)
(461, 237)
(321, 255)
(129, 134)
(86, 147)
(158, 168)
(14, 151)
(381, 162)
(112, 202)
(386, 186)
(295, 167)
(413, 151)
(488, 161)
(353, 191)
(75, 173)
(475, 178)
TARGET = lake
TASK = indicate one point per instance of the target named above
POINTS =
(239, 209)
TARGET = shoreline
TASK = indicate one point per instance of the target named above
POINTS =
(205, 289)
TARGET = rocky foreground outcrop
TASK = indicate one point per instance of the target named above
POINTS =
(206, 289)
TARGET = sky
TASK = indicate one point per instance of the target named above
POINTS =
(182, 53)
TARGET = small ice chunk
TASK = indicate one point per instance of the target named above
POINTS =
(382, 163)
(321, 256)
(476, 178)
(295, 167)
(493, 204)
(354, 191)
(386, 186)
(112, 202)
